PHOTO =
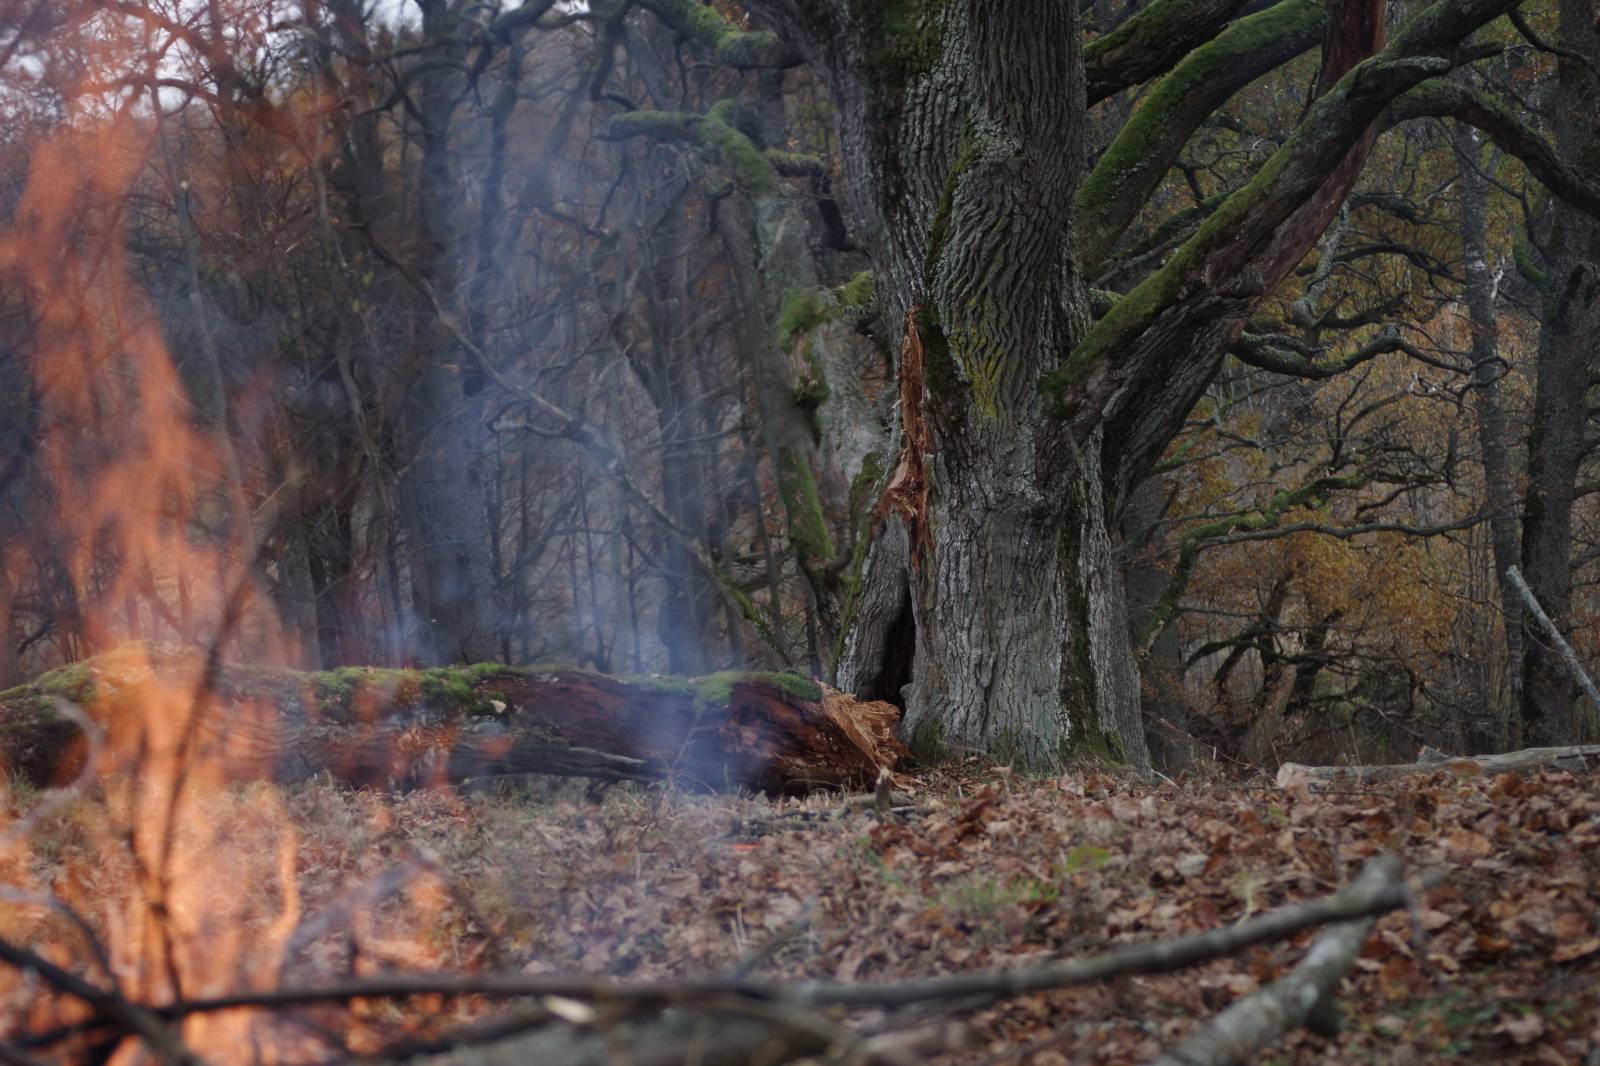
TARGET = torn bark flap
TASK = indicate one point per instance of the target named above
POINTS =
(907, 491)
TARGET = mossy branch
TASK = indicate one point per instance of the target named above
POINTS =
(732, 46)
(1438, 99)
(1215, 273)
(1267, 353)
(1151, 41)
(1137, 161)
(754, 170)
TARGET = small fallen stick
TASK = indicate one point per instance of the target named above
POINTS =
(1302, 996)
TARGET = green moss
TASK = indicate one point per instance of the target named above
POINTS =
(795, 685)
(74, 683)
(857, 293)
(703, 22)
(864, 492)
(1086, 857)
(809, 396)
(334, 691)
(795, 164)
(657, 125)
(751, 169)
(905, 39)
(938, 364)
(716, 690)
(802, 311)
(733, 46)
(671, 684)
(1078, 696)
(1159, 12)
(1522, 253)
(715, 129)
(939, 229)
(456, 688)
(1139, 146)
(1090, 743)
(1009, 747)
(808, 526)
(983, 896)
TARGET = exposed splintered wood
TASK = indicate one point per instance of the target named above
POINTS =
(415, 728)
(1577, 759)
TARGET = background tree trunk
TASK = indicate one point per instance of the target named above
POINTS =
(1556, 441)
(444, 504)
(1487, 370)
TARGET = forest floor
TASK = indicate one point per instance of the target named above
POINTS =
(991, 870)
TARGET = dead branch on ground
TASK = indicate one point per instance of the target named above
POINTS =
(731, 1015)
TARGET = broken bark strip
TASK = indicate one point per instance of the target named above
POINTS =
(368, 727)
(1578, 759)
(1303, 996)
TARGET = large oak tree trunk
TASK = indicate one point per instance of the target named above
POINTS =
(971, 165)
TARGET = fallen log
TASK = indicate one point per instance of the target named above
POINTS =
(1577, 759)
(369, 727)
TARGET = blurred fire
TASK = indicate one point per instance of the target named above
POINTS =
(186, 885)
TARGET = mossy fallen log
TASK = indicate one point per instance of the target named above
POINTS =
(370, 727)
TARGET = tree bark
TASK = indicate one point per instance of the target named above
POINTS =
(1556, 445)
(442, 491)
